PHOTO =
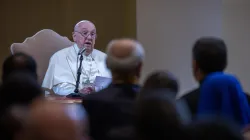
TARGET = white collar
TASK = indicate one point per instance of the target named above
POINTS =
(76, 48)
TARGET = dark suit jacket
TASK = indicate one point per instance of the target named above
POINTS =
(192, 99)
(111, 111)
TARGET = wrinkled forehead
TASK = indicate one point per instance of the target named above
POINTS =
(83, 26)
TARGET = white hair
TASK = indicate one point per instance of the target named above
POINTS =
(82, 21)
(128, 63)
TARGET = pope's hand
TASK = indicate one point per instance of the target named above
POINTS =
(87, 90)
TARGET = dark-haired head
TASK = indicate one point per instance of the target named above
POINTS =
(161, 79)
(19, 62)
(20, 88)
(209, 55)
(157, 117)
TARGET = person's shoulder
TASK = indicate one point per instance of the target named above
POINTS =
(100, 95)
(99, 53)
(218, 78)
(191, 93)
(60, 53)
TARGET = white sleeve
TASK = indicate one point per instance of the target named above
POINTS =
(63, 89)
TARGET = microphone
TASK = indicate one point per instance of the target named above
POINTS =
(82, 50)
(76, 93)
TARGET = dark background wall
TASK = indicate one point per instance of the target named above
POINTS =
(20, 19)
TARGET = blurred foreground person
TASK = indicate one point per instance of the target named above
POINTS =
(159, 117)
(113, 107)
(20, 88)
(55, 121)
(12, 122)
(17, 93)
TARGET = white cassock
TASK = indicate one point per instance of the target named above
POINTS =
(62, 70)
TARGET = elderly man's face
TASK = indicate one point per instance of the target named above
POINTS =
(85, 36)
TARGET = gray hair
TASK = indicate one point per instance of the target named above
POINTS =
(125, 64)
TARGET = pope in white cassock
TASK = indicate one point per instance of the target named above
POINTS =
(62, 70)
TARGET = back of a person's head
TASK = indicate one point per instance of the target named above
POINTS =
(157, 118)
(55, 121)
(161, 79)
(124, 55)
(20, 88)
(210, 54)
(216, 129)
(19, 62)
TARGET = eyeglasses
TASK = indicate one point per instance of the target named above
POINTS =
(86, 34)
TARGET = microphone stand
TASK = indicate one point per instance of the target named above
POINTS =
(76, 93)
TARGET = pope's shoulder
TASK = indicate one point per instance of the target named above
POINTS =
(99, 53)
(62, 51)
(65, 51)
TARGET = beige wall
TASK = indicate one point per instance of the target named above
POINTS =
(168, 28)
(236, 31)
(23, 18)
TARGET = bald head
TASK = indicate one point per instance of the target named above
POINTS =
(54, 121)
(124, 55)
(83, 23)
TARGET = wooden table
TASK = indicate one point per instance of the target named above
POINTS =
(63, 99)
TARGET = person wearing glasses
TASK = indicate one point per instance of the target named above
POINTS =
(61, 74)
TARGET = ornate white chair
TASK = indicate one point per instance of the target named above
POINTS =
(41, 47)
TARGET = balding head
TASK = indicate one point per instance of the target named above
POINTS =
(54, 121)
(124, 55)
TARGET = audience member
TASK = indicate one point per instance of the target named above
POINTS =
(220, 94)
(192, 97)
(180, 104)
(113, 107)
(55, 121)
(161, 79)
(18, 91)
(19, 62)
(20, 88)
(158, 118)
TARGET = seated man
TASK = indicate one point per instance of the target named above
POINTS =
(221, 94)
(61, 75)
(192, 97)
(113, 107)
